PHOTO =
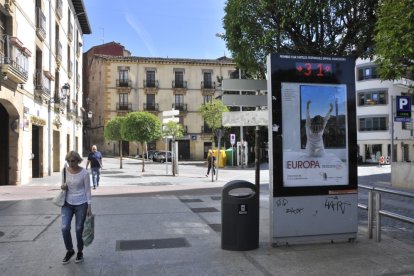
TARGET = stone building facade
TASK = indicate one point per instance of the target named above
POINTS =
(121, 84)
(40, 96)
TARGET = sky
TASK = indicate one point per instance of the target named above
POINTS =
(159, 28)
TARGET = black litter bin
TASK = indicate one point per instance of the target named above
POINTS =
(239, 216)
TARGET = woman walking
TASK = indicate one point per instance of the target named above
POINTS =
(78, 203)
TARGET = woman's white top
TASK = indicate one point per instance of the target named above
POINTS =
(79, 187)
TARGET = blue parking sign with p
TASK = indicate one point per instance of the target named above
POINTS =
(403, 108)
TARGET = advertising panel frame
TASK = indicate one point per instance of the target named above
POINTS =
(313, 145)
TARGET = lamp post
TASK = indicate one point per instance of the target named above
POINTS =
(64, 92)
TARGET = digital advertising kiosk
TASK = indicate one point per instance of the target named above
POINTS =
(313, 146)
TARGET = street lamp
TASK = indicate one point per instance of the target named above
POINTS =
(65, 90)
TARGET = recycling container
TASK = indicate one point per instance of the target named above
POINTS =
(240, 216)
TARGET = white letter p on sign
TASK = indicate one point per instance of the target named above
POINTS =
(403, 102)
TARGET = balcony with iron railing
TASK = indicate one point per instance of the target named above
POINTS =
(150, 107)
(206, 129)
(208, 85)
(14, 59)
(179, 84)
(59, 5)
(70, 32)
(78, 79)
(58, 51)
(42, 86)
(123, 83)
(59, 104)
(70, 69)
(151, 84)
(124, 107)
(179, 106)
(40, 24)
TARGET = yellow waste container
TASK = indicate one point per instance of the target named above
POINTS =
(221, 163)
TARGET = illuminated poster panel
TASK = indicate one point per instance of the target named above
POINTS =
(315, 147)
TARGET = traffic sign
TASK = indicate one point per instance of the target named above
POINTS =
(403, 109)
(170, 119)
(245, 118)
(244, 100)
(232, 139)
(170, 113)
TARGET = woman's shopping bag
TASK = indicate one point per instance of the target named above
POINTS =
(88, 230)
(60, 198)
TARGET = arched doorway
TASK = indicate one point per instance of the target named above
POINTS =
(4, 150)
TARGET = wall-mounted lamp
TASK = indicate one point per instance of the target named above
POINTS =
(65, 90)
(89, 114)
(15, 126)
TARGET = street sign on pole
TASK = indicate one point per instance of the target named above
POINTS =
(245, 118)
(232, 139)
(166, 120)
(170, 113)
(403, 104)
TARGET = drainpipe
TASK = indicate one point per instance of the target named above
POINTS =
(49, 105)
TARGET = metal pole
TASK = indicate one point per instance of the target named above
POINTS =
(241, 129)
(378, 216)
(370, 214)
(256, 161)
(392, 129)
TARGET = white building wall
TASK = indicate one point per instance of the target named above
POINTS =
(368, 138)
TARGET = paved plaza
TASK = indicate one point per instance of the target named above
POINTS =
(150, 223)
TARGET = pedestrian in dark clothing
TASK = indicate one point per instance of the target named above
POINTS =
(211, 160)
(95, 159)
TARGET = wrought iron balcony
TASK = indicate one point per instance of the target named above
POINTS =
(208, 85)
(206, 129)
(42, 86)
(123, 83)
(59, 9)
(123, 106)
(179, 106)
(58, 51)
(14, 59)
(179, 84)
(70, 32)
(40, 24)
(151, 84)
(150, 106)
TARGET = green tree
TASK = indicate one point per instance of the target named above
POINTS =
(212, 113)
(112, 132)
(256, 28)
(175, 130)
(142, 127)
(394, 39)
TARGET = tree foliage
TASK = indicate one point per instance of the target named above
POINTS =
(174, 129)
(256, 28)
(212, 113)
(113, 129)
(142, 127)
(394, 39)
(112, 132)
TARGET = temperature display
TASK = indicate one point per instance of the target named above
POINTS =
(306, 69)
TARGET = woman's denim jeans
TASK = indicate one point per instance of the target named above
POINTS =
(80, 215)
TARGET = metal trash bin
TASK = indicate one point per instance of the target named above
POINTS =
(239, 216)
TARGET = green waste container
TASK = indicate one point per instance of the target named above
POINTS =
(229, 154)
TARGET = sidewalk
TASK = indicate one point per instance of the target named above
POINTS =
(178, 220)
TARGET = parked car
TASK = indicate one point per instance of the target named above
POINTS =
(150, 156)
(160, 156)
